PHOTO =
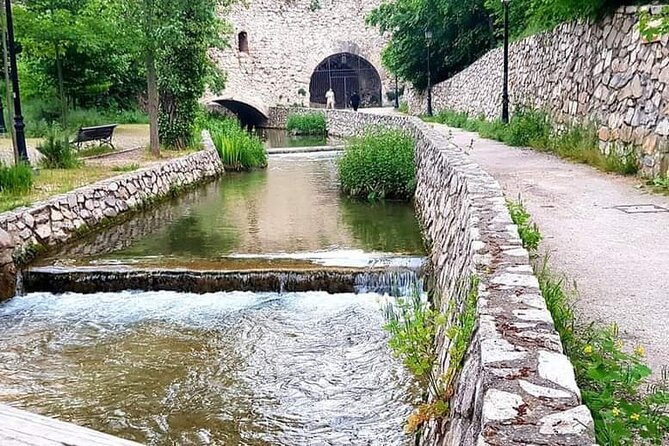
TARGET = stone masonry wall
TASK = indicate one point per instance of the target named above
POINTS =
(287, 41)
(61, 218)
(602, 73)
(516, 386)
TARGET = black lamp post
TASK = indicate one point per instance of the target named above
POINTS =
(19, 126)
(428, 38)
(505, 91)
(397, 93)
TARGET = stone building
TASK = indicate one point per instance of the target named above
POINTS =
(288, 52)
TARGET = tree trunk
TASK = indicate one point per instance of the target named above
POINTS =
(61, 88)
(152, 89)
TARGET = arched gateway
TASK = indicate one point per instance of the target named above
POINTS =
(346, 73)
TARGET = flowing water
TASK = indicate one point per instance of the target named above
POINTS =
(225, 369)
(167, 368)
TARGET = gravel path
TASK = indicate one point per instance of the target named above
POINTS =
(619, 260)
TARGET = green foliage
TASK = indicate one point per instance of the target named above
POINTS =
(660, 184)
(652, 27)
(531, 16)
(529, 232)
(16, 179)
(412, 324)
(306, 124)
(614, 383)
(77, 51)
(238, 149)
(461, 34)
(188, 29)
(40, 115)
(379, 165)
(57, 150)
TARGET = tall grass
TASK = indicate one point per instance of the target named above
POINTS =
(306, 124)
(379, 165)
(57, 150)
(239, 150)
(16, 180)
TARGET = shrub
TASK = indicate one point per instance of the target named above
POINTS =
(526, 128)
(17, 179)
(57, 150)
(238, 149)
(379, 165)
(306, 124)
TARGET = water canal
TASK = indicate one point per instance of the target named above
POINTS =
(248, 368)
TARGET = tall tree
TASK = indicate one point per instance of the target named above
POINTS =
(185, 69)
(461, 29)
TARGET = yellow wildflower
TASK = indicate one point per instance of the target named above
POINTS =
(620, 344)
(615, 412)
(635, 417)
(640, 351)
(588, 350)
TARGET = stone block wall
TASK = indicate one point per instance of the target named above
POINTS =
(601, 73)
(287, 40)
(59, 219)
(516, 386)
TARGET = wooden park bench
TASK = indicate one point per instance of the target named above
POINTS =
(102, 133)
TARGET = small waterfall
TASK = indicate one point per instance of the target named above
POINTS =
(20, 291)
(395, 283)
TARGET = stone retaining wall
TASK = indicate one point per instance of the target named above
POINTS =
(516, 386)
(603, 73)
(59, 219)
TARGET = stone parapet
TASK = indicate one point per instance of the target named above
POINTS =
(516, 386)
(602, 74)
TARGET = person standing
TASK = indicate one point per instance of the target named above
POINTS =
(355, 101)
(330, 99)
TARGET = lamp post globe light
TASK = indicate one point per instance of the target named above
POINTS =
(19, 126)
(428, 39)
(505, 88)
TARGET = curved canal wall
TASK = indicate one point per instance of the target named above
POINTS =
(62, 218)
(516, 386)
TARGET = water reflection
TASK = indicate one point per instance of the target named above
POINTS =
(225, 369)
(277, 139)
(293, 207)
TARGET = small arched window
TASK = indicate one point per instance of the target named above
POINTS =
(243, 42)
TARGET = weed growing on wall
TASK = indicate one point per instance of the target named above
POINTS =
(532, 128)
(614, 380)
(529, 231)
(413, 325)
(306, 124)
(379, 165)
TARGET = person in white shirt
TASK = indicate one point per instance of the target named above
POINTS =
(330, 98)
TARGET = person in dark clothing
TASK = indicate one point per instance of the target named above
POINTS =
(355, 101)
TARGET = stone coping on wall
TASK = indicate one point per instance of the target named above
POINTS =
(61, 218)
(516, 385)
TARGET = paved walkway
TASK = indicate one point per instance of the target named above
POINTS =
(619, 260)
